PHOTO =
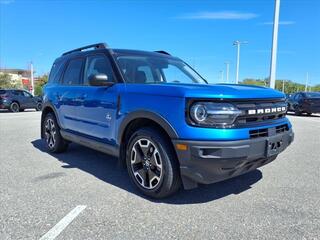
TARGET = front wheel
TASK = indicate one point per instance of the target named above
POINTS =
(152, 164)
(39, 107)
(54, 141)
(297, 111)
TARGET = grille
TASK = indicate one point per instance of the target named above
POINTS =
(257, 112)
(259, 133)
(282, 128)
(266, 132)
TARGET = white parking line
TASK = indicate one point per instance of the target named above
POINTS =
(63, 223)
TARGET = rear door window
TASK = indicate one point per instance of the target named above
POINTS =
(72, 75)
(17, 93)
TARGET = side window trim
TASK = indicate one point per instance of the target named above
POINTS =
(81, 71)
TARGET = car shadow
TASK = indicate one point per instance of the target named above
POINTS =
(106, 168)
(25, 111)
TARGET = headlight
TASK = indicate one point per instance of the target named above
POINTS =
(212, 114)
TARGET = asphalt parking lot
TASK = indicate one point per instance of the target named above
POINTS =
(37, 190)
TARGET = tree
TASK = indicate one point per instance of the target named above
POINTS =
(287, 85)
(42, 80)
(5, 80)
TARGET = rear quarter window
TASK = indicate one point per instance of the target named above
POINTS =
(56, 72)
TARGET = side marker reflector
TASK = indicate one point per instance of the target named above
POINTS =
(182, 147)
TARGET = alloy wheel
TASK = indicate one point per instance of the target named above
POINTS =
(146, 163)
(50, 133)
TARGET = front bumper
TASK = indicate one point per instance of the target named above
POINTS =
(213, 161)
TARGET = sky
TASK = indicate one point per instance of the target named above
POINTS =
(200, 32)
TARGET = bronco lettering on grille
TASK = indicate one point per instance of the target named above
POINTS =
(266, 110)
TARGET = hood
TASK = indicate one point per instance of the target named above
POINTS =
(226, 91)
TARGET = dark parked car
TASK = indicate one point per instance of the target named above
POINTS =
(304, 102)
(17, 100)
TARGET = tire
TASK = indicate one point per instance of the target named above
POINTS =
(39, 107)
(152, 164)
(309, 114)
(297, 111)
(54, 141)
(14, 107)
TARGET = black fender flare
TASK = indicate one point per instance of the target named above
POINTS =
(44, 107)
(147, 115)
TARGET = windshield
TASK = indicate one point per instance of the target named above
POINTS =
(312, 94)
(153, 69)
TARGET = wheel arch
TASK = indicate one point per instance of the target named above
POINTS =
(48, 108)
(139, 119)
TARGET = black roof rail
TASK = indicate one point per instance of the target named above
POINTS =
(163, 52)
(95, 46)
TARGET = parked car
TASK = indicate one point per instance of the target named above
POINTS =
(17, 100)
(304, 102)
(163, 121)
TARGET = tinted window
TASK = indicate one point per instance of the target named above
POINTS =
(72, 75)
(17, 93)
(98, 65)
(298, 97)
(56, 71)
(26, 94)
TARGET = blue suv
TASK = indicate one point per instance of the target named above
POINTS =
(162, 120)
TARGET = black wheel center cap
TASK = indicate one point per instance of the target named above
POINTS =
(146, 163)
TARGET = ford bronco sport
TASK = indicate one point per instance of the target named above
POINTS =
(162, 120)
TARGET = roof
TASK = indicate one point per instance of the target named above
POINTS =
(141, 52)
(116, 52)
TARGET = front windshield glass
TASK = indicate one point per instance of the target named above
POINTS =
(153, 69)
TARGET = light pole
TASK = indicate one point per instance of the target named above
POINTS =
(307, 80)
(238, 43)
(31, 76)
(221, 76)
(227, 71)
(274, 44)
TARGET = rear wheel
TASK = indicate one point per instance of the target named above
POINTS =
(14, 107)
(54, 141)
(152, 164)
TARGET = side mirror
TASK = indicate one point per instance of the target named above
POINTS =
(99, 80)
